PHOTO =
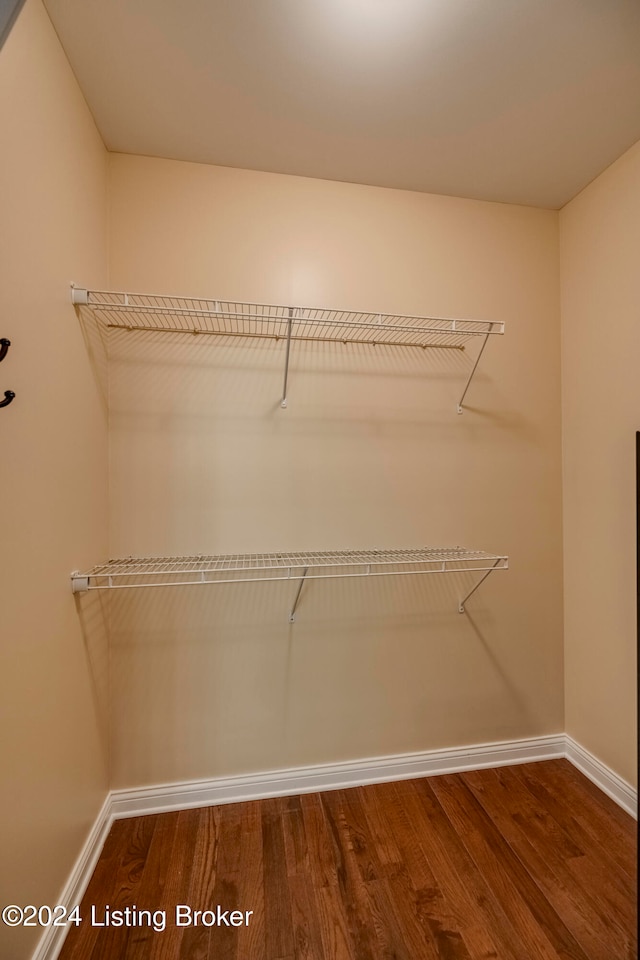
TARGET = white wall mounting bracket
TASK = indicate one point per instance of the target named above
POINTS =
(501, 562)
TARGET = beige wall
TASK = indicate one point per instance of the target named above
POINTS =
(53, 474)
(600, 257)
(369, 453)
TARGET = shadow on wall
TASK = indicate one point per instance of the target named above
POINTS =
(150, 371)
(96, 343)
(213, 679)
(93, 614)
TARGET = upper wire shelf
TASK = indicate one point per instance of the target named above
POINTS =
(151, 312)
(246, 568)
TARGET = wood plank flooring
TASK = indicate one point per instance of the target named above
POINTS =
(528, 862)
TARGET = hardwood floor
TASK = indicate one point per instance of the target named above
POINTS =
(528, 862)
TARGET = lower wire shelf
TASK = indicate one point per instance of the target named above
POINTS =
(136, 573)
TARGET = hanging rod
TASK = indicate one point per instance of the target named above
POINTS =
(226, 318)
(136, 573)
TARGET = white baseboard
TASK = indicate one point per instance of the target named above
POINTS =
(603, 777)
(50, 944)
(276, 783)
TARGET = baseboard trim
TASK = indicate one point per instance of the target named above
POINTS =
(52, 940)
(603, 777)
(276, 783)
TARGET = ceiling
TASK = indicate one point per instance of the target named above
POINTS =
(521, 101)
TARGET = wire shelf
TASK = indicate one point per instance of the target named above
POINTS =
(136, 311)
(136, 573)
(226, 318)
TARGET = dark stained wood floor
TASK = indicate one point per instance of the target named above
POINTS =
(528, 862)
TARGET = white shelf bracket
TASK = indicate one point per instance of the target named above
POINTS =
(500, 560)
(79, 294)
(79, 582)
(292, 615)
(283, 402)
(473, 370)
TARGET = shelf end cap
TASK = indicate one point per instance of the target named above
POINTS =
(79, 294)
(79, 583)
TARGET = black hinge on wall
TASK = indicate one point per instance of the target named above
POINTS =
(8, 394)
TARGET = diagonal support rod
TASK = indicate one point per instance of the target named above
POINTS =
(481, 580)
(283, 402)
(292, 615)
(473, 370)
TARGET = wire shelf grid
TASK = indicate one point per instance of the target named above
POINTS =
(150, 312)
(135, 572)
